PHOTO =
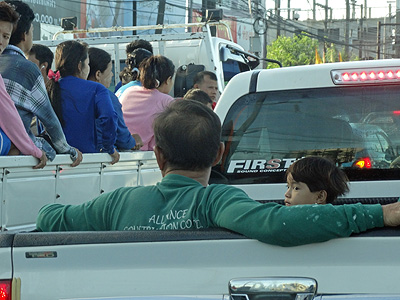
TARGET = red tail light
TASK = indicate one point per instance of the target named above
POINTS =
(354, 76)
(363, 163)
(366, 76)
(5, 289)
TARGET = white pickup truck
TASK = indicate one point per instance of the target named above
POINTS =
(349, 112)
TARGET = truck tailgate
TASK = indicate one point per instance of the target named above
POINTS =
(126, 264)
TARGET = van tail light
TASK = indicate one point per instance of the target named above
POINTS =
(363, 163)
(5, 289)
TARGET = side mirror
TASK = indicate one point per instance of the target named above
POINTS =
(290, 288)
(224, 54)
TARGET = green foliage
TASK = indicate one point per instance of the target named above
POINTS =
(292, 51)
(332, 54)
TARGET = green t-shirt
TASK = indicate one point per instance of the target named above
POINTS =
(181, 203)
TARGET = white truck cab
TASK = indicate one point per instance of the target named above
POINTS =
(191, 47)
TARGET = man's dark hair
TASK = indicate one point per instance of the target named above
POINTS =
(8, 14)
(198, 95)
(139, 44)
(98, 60)
(42, 54)
(25, 20)
(188, 134)
(200, 77)
(320, 173)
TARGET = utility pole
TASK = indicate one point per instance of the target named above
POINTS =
(353, 6)
(365, 9)
(208, 4)
(384, 39)
(397, 48)
(347, 30)
(314, 7)
(189, 5)
(288, 11)
(134, 16)
(361, 34)
(378, 41)
(278, 17)
(160, 16)
(326, 8)
(326, 18)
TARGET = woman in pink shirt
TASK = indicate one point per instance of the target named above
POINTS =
(141, 104)
(11, 124)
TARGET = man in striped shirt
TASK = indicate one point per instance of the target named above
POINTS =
(25, 85)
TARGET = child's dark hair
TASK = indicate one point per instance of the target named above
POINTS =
(68, 56)
(133, 61)
(132, 46)
(26, 17)
(155, 70)
(320, 173)
(198, 95)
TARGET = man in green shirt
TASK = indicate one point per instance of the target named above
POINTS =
(188, 144)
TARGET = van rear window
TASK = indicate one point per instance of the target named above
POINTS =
(357, 127)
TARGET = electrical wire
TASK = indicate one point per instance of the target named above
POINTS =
(241, 7)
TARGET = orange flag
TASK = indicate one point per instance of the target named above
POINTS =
(317, 57)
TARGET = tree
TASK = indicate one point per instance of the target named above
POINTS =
(332, 54)
(292, 51)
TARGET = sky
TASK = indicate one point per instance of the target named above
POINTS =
(380, 8)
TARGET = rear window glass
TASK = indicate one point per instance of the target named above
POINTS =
(357, 127)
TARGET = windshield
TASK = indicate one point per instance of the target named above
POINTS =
(357, 127)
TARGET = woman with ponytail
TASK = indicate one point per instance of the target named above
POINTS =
(141, 104)
(81, 104)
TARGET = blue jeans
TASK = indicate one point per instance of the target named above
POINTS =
(5, 143)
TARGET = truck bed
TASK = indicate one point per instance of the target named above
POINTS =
(197, 263)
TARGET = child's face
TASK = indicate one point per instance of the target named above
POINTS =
(299, 193)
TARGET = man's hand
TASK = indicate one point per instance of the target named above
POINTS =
(78, 159)
(138, 140)
(42, 161)
(391, 214)
(115, 157)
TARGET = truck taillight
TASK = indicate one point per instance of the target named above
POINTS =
(5, 289)
(363, 163)
(366, 76)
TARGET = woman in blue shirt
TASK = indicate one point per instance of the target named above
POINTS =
(100, 71)
(81, 104)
